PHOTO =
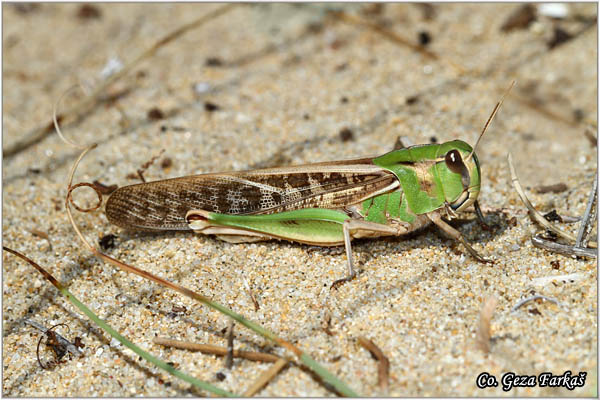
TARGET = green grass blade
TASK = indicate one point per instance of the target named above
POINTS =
(340, 386)
(323, 373)
(327, 376)
(145, 355)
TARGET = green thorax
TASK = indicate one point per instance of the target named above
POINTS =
(386, 206)
(427, 182)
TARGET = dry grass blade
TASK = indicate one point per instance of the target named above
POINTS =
(533, 298)
(215, 350)
(589, 217)
(383, 369)
(565, 249)
(90, 209)
(38, 233)
(536, 215)
(266, 377)
(392, 36)
(484, 329)
(40, 133)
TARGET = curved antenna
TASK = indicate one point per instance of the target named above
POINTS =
(489, 121)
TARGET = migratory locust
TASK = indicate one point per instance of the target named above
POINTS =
(323, 204)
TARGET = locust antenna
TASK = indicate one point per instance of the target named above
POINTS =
(489, 121)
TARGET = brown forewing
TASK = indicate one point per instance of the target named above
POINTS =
(162, 205)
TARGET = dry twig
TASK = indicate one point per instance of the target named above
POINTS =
(229, 355)
(215, 350)
(266, 377)
(392, 36)
(564, 249)
(383, 369)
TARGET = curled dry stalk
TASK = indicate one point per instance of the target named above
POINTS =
(54, 343)
(71, 347)
(576, 249)
(327, 376)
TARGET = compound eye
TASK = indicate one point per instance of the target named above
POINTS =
(455, 164)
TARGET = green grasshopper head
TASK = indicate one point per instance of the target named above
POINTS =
(459, 174)
(432, 175)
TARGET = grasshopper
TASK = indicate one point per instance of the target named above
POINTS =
(324, 204)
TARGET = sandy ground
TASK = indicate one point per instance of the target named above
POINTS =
(286, 81)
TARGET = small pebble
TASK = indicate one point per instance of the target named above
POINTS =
(155, 113)
(201, 87)
(515, 247)
(210, 107)
(88, 11)
(554, 10)
(424, 38)
(221, 376)
(346, 134)
(113, 65)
